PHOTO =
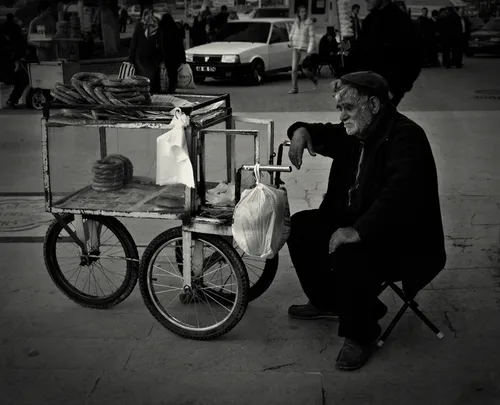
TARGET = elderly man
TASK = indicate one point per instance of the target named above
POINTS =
(380, 218)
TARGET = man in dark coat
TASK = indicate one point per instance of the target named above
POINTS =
(389, 44)
(380, 218)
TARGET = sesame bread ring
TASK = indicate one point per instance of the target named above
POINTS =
(137, 81)
(68, 93)
(67, 96)
(101, 96)
(90, 91)
(61, 98)
(136, 100)
(100, 189)
(88, 77)
(82, 92)
(117, 84)
(113, 99)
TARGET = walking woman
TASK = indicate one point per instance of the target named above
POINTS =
(145, 54)
(303, 43)
(172, 47)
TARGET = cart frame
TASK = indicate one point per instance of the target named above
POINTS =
(192, 221)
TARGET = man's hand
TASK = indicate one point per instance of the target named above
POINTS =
(342, 236)
(300, 140)
(17, 66)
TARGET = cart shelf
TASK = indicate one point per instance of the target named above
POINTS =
(139, 198)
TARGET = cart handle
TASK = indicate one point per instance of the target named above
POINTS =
(265, 168)
(279, 160)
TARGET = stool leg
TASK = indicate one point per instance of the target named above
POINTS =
(392, 325)
(420, 314)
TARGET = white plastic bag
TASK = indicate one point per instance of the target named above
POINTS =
(185, 79)
(173, 165)
(261, 221)
(222, 195)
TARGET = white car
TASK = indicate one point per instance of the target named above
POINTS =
(245, 49)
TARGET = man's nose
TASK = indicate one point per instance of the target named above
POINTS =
(343, 116)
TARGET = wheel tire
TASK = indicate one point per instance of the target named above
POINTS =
(265, 280)
(256, 74)
(199, 79)
(36, 99)
(129, 247)
(239, 269)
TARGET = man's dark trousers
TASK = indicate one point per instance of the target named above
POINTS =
(347, 281)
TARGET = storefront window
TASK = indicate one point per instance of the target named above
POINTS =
(318, 7)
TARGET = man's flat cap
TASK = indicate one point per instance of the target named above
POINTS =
(368, 82)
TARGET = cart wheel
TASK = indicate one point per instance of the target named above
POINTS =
(215, 301)
(36, 99)
(261, 273)
(87, 280)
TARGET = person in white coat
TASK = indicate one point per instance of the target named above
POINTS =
(303, 44)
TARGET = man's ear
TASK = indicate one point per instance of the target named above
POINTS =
(374, 105)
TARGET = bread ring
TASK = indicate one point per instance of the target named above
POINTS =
(137, 79)
(90, 91)
(70, 93)
(113, 99)
(105, 189)
(101, 164)
(100, 95)
(88, 77)
(66, 86)
(136, 100)
(67, 96)
(129, 167)
(61, 98)
(82, 92)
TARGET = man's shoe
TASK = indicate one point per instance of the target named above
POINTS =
(353, 355)
(11, 104)
(309, 312)
(293, 91)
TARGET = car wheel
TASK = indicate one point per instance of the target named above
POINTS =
(256, 73)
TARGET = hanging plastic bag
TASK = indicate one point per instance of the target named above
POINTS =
(261, 221)
(185, 79)
(173, 165)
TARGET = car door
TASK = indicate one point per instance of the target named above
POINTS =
(280, 55)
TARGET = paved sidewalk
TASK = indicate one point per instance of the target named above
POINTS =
(54, 352)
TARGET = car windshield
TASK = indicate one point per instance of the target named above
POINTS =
(492, 25)
(245, 32)
(271, 13)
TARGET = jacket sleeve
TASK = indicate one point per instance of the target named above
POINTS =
(328, 139)
(312, 39)
(408, 160)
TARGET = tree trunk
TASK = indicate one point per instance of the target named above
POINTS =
(110, 27)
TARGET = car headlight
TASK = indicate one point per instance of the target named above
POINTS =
(230, 59)
(189, 57)
(495, 39)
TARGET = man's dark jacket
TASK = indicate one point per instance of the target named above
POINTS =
(389, 44)
(398, 208)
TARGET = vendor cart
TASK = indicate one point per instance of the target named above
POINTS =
(192, 278)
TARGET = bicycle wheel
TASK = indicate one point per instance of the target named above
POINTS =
(108, 243)
(220, 287)
(261, 272)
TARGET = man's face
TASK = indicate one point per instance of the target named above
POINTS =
(373, 4)
(302, 13)
(355, 116)
(355, 11)
(425, 12)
